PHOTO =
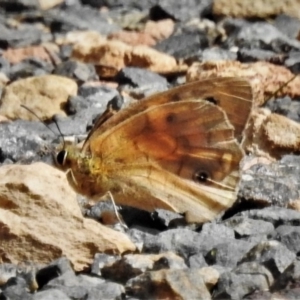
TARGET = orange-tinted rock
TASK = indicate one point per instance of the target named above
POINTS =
(40, 219)
(3, 80)
(111, 56)
(132, 265)
(86, 38)
(271, 135)
(256, 8)
(265, 78)
(15, 56)
(46, 95)
(169, 284)
(47, 4)
(133, 38)
(160, 30)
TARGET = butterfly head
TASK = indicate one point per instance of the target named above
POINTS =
(65, 162)
(66, 158)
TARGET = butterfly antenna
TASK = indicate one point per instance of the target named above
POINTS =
(281, 87)
(61, 134)
(54, 120)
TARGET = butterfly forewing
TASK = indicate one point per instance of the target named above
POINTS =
(232, 94)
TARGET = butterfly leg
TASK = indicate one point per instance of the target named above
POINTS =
(118, 216)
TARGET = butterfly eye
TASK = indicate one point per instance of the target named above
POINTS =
(201, 176)
(61, 157)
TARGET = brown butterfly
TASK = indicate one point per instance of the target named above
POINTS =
(178, 150)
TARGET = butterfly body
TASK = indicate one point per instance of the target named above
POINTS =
(174, 150)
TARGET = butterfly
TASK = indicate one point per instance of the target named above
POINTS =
(178, 150)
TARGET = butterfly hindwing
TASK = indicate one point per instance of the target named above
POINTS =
(178, 140)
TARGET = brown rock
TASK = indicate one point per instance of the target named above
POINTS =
(86, 38)
(3, 80)
(160, 30)
(271, 135)
(169, 284)
(251, 161)
(282, 132)
(46, 95)
(256, 8)
(294, 204)
(132, 20)
(15, 56)
(210, 276)
(53, 52)
(4, 119)
(111, 56)
(145, 57)
(107, 53)
(132, 265)
(40, 220)
(133, 38)
(265, 78)
(109, 84)
(7, 271)
(47, 4)
(149, 35)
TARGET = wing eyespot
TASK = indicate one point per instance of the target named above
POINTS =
(61, 157)
(201, 176)
(211, 100)
(170, 118)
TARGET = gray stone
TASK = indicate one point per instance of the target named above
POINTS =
(141, 82)
(106, 291)
(181, 10)
(293, 62)
(181, 241)
(197, 261)
(252, 55)
(216, 54)
(286, 106)
(275, 215)
(288, 25)
(26, 143)
(169, 284)
(101, 260)
(16, 288)
(139, 234)
(244, 227)
(132, 265)
(228, 254)
(20, 37)
(290, 237)
(169, 219)
(266, 33)
(213, 234)
(243, 280)
(75, 287)
(76, 70)
(52, 294)
(79, 18)
(288, 277)
(272, 254)
(275, 184)
(176, 45)
(29, 67)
